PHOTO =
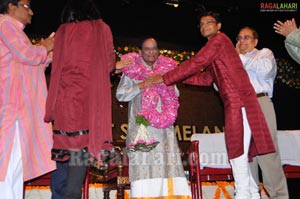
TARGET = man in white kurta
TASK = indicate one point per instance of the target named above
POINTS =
(25, 140)
(261, 68)
(159, 172)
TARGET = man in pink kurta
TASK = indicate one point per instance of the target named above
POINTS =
(22, 102)
(217, 62)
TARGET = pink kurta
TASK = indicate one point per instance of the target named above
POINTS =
(222, 65)
(23, 93)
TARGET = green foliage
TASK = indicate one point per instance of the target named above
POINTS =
(140, 119)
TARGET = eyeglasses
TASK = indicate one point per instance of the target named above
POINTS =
(146, 49)
(27, 7)
(246, 37)
(209, 22)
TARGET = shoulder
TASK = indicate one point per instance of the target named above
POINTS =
(221, 35)
(220, 38)
(166, 60)
(165, 63)
(6, 21)
(266, 51)
(132, 55)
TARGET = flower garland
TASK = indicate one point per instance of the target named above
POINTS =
(154, 93)
(286, 73)
(176, 55)
(142, 142)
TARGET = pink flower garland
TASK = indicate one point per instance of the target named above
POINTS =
(151, 95)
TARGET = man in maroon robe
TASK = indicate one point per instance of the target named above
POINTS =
(246, 131)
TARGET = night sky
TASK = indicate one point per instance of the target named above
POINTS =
(176, 28)
(133, 19)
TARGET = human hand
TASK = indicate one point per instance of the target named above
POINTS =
(48, 43)
(123, 63)
(285, 28)
(156, 79)
(144, 84)
(237, 47)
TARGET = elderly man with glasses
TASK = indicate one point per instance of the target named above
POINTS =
(25, 140)
(261, 68)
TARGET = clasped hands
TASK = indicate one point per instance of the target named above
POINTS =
(285, 28)
(151, 80)
(48, 43)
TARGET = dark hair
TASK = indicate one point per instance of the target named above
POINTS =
(213, 14)
(254, 33)
(80, 10)
(4, 5)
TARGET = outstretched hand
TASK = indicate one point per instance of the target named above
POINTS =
(285, 28)
(123, 63)
(154, 79)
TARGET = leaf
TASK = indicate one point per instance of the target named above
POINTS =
(140, 119)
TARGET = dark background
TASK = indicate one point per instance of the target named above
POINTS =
(132, 19)
(176, 29)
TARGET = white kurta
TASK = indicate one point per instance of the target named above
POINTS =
(158, 173)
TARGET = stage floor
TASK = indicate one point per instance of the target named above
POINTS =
(216, 190)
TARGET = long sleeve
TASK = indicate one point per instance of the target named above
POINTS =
(111, 56)
(127, 89)
(196, 64)
(20, 47)
(22, 97)
(261, 68)
(292, 45)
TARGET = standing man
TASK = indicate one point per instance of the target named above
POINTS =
(245, 126)
(25, 140)
(155, 166)
(261, 68)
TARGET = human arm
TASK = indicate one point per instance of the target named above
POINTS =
(292, 45)
(199, 63)
(129, 88)
(261, 64)
(292, 34)
(109, 47)
(123, 63)
(19, 45)
(285, 28)
(48, 43)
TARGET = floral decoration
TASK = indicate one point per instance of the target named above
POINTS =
(155, 93)
(178, 56)
(143, 142)
(288, 72)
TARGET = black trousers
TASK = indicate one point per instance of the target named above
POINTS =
(68, 178)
